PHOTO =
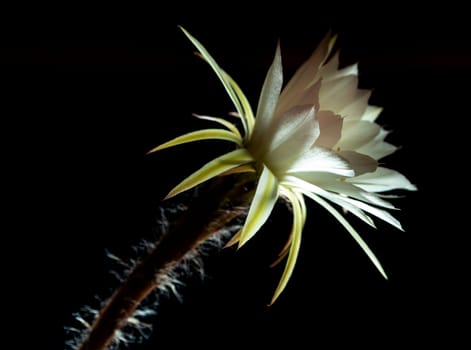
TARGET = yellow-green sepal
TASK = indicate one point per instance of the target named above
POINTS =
(199, 135)
(214, 168)
(262, 205)
(299, 218)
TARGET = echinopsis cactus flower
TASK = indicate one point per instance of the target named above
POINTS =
(316, 137)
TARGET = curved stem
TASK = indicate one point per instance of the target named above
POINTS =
(210, 212)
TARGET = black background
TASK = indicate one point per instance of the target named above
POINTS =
(90, 89)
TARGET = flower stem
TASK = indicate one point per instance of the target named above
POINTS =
(224, 199)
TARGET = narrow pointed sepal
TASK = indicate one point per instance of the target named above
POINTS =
(299, 218)
(262, 205)
(237, 97)
(214, 168)
(200, 135)
(352, 232)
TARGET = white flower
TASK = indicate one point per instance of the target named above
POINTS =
(316, 137)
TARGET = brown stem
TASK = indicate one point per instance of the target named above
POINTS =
(209, 212)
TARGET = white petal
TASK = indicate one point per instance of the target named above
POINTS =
(330, 125)
(350, 204)
(377, 148)
(309, 96)
(336, 94)
(306, 75)
(360, 163)
(339, 92)
(269, 96)
(328, 74)
(371, 113)
(309, 189)
(356, 133)
(337, 184)
(330, 67)
(298, 123)
(352, 232)
(293, 133)
(356, 107)
(383, 179)
(318, 159)
(380, 213)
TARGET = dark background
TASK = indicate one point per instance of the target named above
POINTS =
(88, 90)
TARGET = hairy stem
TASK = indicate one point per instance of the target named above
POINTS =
(222, 201)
